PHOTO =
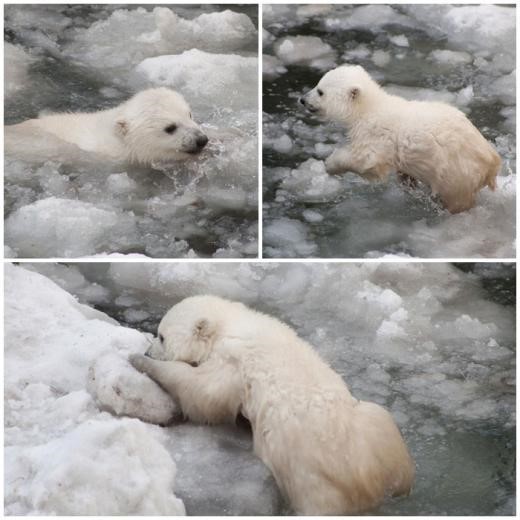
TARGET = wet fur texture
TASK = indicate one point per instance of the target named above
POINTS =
(329, 452)
(133, 132)
(431, 142)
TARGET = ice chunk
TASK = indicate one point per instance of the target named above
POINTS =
(108, 44)
(272, 67)
(267, 37)
(390, 329)
(67, 228)
(482, 28)
(359, 53)
(312, 216)
(313, 10)
(289, 234)
(16, 63)
(120, 183)
(215, 79)
(503, 89)
(455, 233)
(453, 58)
(370, 17)
(216, 32)
(381, 58)
(283, 144)
(305, 50)
(310, 182)
(400, 40)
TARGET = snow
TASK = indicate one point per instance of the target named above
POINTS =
(74, 58)
(63, 455)
(461, 55)
(434, 343)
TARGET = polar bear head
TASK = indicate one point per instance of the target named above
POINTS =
(189, 330)
(157, 125)
(341, 94)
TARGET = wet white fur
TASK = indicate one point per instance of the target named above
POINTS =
(133, 132)
(329, 452)
(429, 141)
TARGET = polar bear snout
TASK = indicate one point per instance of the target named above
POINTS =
(306, 102)
(201, 141)
(195, 143)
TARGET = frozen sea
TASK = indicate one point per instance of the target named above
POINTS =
(433, 343)
(92, 57)
(463, 55)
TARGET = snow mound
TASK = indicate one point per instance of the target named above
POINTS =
(62, 454)
(99, 468)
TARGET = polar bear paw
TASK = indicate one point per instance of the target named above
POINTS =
(333, 165)
(139, 362)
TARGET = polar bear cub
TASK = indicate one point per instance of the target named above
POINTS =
(428, 141)
(329, 452)
(154, 125)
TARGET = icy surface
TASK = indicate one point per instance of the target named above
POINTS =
(434, 343)
(63, 455)
(87, 58)
(461, 55)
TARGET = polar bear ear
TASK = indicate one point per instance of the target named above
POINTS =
(121, 127)
(203, 330)
(354, 92)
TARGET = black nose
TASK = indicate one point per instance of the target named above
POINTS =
(201, 141)
(302, 101)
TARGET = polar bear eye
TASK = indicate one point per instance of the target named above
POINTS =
(320, 92)
(161, 338)
(170, 129)
(191, 117)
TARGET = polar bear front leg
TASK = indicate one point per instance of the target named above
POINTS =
(366, 165)
(209, 393)
(338, 162)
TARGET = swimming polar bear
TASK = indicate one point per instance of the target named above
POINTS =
(154, 125)
(329, 452)
(428, 141)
